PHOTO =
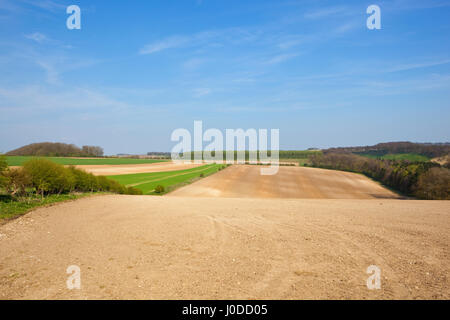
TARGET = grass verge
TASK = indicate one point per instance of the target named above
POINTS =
(13, 208)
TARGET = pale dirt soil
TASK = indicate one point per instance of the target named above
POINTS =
(109, 170)
(441, 160)
(245, 181)
(203, 242)
(143, 247)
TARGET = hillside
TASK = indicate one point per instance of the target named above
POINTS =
(56, 149)
(430, 150)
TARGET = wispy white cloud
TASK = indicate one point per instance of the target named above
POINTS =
(36, 98)
(194, 63)
(326, 12)
(30, 6)
(37, 36)
(289, 43)
(281, 58)
(168, 43)
(402, 5)
(412, 66)
(52, 73)
(200, 92)
(346, 27)
(209, 38)
(48, 5)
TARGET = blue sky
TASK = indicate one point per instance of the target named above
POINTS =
(137, 70)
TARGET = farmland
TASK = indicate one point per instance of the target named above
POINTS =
(147, 182)
(245, 181)
(413, 157)
(144, 247)
(304, 233)
(20, 160)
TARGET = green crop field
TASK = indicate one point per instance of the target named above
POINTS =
(398, 156)
(19, 160)
(147, 182)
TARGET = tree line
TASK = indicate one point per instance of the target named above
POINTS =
(425, 180)
(430, 150)
(56, 149)
(282, 154)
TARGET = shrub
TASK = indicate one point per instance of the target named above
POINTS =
(17, 182)
(81, 179)
(3, 163)
(134, 191)
(159, 189)
(104, 183)
(87, 182)
(3, 168)
(48, 177)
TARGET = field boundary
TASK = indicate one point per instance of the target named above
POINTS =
(165, 177)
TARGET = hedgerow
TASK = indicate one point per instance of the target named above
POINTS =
(45, 177)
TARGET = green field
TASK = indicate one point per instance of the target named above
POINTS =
(147, 182)
(19, 160)
(283, 155)
(413, 157)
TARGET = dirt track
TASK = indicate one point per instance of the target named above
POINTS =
(245, 181)
(173, 247)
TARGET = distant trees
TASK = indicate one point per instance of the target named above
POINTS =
(425, 180)
(56, 149)
(434, 184)
(430, 150)
(282, 154)
(165, 155)
(92, 151)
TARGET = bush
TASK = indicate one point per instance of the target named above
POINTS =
(3, 168)
(159, 189)
(434, 184)
(134, 191)
(104, 184)
(48, 177)
(17, 182)
(3, 163)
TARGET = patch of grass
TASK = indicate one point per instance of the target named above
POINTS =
(11, 208)
(413, 157)
(19, 160)
(147, 182)
(304, 162)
